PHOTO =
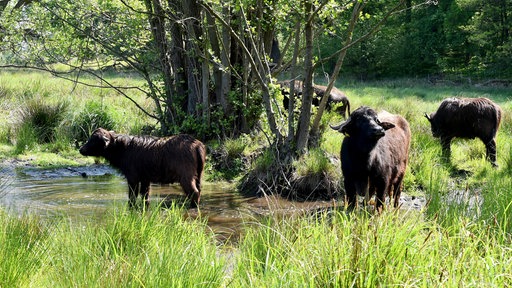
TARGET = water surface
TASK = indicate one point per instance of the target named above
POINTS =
(86, 193)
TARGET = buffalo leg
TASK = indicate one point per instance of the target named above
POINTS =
(189, 187)
(397, 190)
(490, 148)
(133, 192)
(351, 193)
(144, 192)
(445, 145)
(382, 188)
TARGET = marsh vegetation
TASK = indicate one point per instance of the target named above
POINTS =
(462, 237)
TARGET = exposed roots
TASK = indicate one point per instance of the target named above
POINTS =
(280, 177)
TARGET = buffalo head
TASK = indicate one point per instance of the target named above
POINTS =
(364, 122)
(97, 143)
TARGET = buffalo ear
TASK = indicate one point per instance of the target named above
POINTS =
(106, 141)
(108, 137)
(386, 125)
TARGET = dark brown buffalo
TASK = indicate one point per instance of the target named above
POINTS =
(335, 97)
(144, 159)
(374, 155)
(467, 118)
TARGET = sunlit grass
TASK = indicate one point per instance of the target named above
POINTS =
(124, 250)
(393, 249)
(42, 112)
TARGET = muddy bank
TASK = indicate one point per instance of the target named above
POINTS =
(17, 167)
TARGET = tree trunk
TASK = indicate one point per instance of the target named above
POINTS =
(157, 22)
(315, 133)
(176, 52)
(307, 93)
(192, 55)
(291, 105)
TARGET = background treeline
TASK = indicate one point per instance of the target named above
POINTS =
(454, 37)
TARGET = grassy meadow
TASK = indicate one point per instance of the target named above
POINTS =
(462, 238)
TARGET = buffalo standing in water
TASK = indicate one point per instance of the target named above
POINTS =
(467, 118)
(144, 159)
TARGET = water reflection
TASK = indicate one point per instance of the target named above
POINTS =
(81, 198)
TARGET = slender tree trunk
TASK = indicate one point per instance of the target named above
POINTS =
(307, 93)
(157, 22)
(216, 53)
(193, 55)
(177, 51)
(356, 11)
(291, 105)
(225, 60)
(358, 6)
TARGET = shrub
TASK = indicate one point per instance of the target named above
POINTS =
(36, 123)
(26, 138)
(42, 118)
(93, 115)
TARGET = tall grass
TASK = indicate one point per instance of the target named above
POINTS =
(394, 249)
(461, 238)
(328, 249)
(127, 250)
(92, 116)
(43, 113)
(38, 122)
(22, 253)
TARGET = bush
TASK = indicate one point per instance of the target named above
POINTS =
(93, 115)
(26, 138)
(37, 122)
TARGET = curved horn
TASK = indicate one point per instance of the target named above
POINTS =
(339, 128)
(427, 116)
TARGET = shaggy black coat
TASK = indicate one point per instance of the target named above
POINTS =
(374, 155)
(467, 118)
(336, 96)
(144, 159)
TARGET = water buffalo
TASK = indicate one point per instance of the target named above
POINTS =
(144, 159)
(374, 155)
(467, 118)
(335, 97)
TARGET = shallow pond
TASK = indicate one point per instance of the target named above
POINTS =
(83, 193)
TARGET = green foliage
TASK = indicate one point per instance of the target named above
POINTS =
(26, 138)
(127, 249)
(339, 250)
(92, 116)
(38, 123)
(315, 162)
(264, 162)
(21, 255)
(230, 158)
(452, 37)
(43, 118)
(133, 250)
